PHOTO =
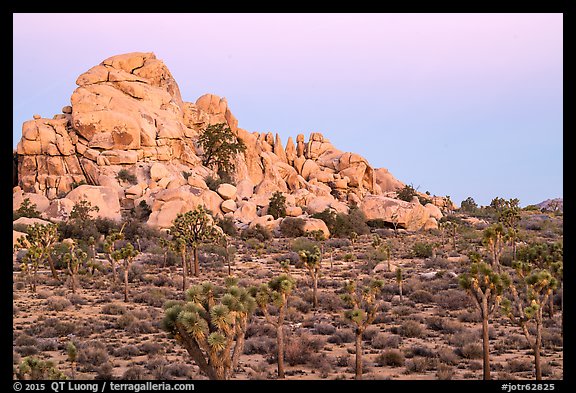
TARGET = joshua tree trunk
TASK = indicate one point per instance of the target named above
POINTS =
(485, 340)
(538, 345)
(196, 266)
(551, 306)
(358, 353)
(73, 281)
(53, 268)
(280, 338)
(184, 273)
(126, 283)
(388, 257)
(400, 289)
(315, 291)
(280, 342)
(165, 259)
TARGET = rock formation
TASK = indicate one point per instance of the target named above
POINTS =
(128, 137)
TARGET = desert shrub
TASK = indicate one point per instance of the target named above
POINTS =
(26, 350)
(342, 336)
(104, 372)
(444, 372)
(470, 316)
(343, 360)
(91, 355)
(443, 324)
(134, 373)
(260, 345)
(127, 351)
(370, 333)
(384, 340)
(125, 175)
(419, 365)
(464, 337)
(258, 232)
(299, 304)
(420, 350)
(324, 328)
(390, 358)
(150, 348)
(337, 243)
(519, 365)
(471, 351)
(259, 330)
(154, 297)
(448, 356)
(113, 309)
(406, 193)
(303, 243)
(227, 225)
(24, 339)
(411, 329)
(298, 349)
(552, 338)
(349, 257)
(57, 303)
(436, 263)
(453, 299)
(422, 250)
(329, 301)
(292, 227)
(76, 299)
(48, 344)
(421, 296)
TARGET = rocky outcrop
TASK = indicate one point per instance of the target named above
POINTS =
(407, 215)
(128, 137)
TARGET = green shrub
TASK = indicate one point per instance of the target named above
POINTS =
(125, 175)
(391, 358)
(258, 232)
(214, 182)
(406, 193)
(303, 243)
(26, 209)
(292, 227)
(227, 225)
(342, 224)
(277, 205)
(422, 250)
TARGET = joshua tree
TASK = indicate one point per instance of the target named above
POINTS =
(211, 330)
(39, 242)
(110, 247)
(74, 258)
(313, 262)
(485, 287)
(364, 305)
(33, 368)
(195, 227)
(81, 212)
(509, 217)
(72, 353)
(530, 292)
(165, 245)
(547, 256)
(127, 255)
(276, 293)
(494, 238)
(399, 281)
